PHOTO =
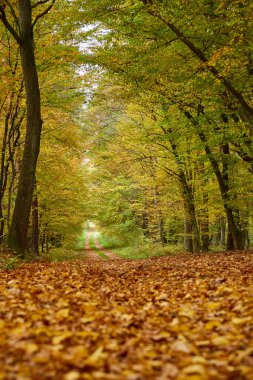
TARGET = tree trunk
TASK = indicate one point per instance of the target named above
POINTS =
(188, 198)
(188, 243)
(1, 225)
(235, 232)
(189, 204)
(20, 221)
(205, 235)
(162, 231)
(35, 226)
(43, 242)
(4, 171)
(145, 224)
(222, 231)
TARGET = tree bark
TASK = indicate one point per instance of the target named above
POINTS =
(17, 238)
(35, 226)
(222, 231)
(205, 235)
(188, 243)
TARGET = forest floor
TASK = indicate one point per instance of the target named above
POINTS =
(184, 317)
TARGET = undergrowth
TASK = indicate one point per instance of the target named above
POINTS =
(62, 254)
(145, 251)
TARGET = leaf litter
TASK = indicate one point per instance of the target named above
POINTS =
(180, 317)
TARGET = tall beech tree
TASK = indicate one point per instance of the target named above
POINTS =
(19, 22)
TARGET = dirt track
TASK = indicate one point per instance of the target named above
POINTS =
(92, 253)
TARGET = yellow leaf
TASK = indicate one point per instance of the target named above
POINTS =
(62, 313)
(186, 311)
(30, 348)
(93, 358)
(162, 297)
(87, 319)
(211, 324)
(42, 357)
(60, 338)
(180, 346)
(213, 306)
(220, 341)
(169, 371)
(174, 322)
(72, 375)
(194, 368)
(241, 321)
(163, 335)
(199, 360)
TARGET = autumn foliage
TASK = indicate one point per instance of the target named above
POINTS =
(178, 317)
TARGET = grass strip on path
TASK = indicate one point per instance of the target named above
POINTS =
(93, 248)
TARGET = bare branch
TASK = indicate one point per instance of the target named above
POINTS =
(43, 13)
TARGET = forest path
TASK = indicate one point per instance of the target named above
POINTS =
(89, 252)
(92, 241)
(179, 317)
(109, 254)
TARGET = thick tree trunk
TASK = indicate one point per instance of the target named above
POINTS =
(20, 221)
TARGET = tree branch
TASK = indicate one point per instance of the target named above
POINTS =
(199, 53)
(12, 11)
(8, 26)
(41, 2)
(43, 13)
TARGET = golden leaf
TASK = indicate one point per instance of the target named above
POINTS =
(213, 306)
(186, 311)
(169, 371)
(95, 356)
(60, 338)
(241, 321)
(181, 346)
(72, 375)
(87, 319)
(211, 324)
(62, 313)
(30, 348)
(220, 341)
(194, 368)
